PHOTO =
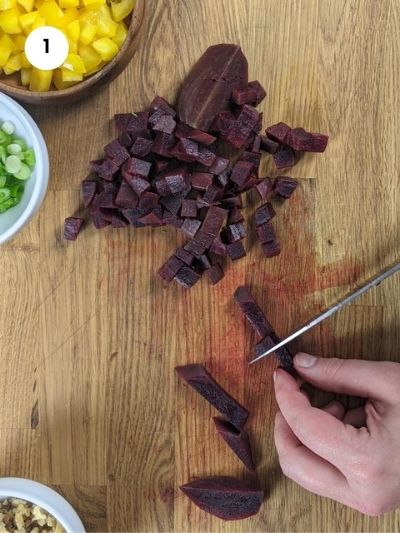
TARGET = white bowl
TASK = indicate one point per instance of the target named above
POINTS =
(48, 499)
(14, 219)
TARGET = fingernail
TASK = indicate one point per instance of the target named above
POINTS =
(305, 360)
(274, 375)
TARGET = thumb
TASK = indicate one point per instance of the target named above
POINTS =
(377, 380)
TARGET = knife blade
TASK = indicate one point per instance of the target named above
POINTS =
(350, 297)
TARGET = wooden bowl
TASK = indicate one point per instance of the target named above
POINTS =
(11, 84)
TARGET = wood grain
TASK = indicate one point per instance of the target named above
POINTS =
(90, 336)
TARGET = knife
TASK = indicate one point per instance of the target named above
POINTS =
(350, 297)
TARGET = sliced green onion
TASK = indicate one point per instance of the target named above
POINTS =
(14, 149)
(8, 127)
(21, 143)
(4, 194)
(16, 190)
(29, 157)
(4, 138)
(3, 180)
(7, 204)
(24, 173)
(13, 164)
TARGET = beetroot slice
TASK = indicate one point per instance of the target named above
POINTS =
(238, 441)
(209, 85)
(199, 379)
(285, 186)
(225, 497)
(253, 94)
(72, 226)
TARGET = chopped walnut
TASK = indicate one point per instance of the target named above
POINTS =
(23, 517)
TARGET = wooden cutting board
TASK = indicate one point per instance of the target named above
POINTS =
(90, 336)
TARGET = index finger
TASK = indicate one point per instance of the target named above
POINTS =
(319, 431)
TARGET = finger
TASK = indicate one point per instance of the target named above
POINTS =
(305, 467)
(356, 417)
(335, 409)
(369, 379)
(317, 430)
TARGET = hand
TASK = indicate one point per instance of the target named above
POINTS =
(352, 457)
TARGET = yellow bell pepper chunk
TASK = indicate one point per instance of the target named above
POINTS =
(59, 83)
(38, 23)
(52, 13)
(24, 60)
(40, 80)
(7, 4)
(95, 69)
(9, 20)
(120, 10)
(106, 26)
(87, 34)
(68, 75)
(73, 29)
(70, 15)
(74, 63)
(27, 19)
(6, 47)
(90, 57)
(68, 3)
(120, 34)
(19, 43)
(12, 65)
(93, 4)
(25, 76)
(106, 48)
(26, 4)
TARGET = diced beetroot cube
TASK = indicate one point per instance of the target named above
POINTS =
(149, 200)
(189, 208)
(184, 256)
(242, 128)
(218, 247)
(173, 202)
(132, 215)
(152, 218)
(190, 226)
(160, 104)
(107, 213)
(206, 157)
(89, 188)
(301, 140)
(161, 186)
(165, 123)
(172, 220)
(220, 164)
(214, 220)
(137, 183)
(264, 188)
(199, 244)
(105, 168)
(285, 186)
(266, 232)
(170, 268)
(204, 262)
(122, 121)
(125, 139)
(238, 441)
(201, 180)
(254, 158)
(284, 356)
(136, 166)
(278, 132)
(253, 94)
(183, 131)
(109, 186)
(223, 122)
(235, 216)
(285, 157)
(223, 178)
(201, 381)
(268, 145)
(98, 220)
(131, 123)
(212, 194)
(235, 250)
(141, 147)
(241, 171)
(126, 196)
(163, 143)
(225, 497)
(233, 233)
(215, 273)
(264, 345)
(252, 311)
(271, 248)
(72, 227)
(232, 201)
(256, 146)
(177, 179)
(104, 199)
(258, 126)
(118, 153)
(261, 94)
(187, 277)
(185, 150)
(160, 165)
(264, 214)
(118, 221)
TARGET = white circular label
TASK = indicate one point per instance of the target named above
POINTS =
(46, 48)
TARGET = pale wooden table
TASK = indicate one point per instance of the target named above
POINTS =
(89, 335)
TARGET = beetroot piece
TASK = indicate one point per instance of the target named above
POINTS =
(141, 147)
(301, 140)
(148, 200)
(206, 157)
(235, 216)
(89, 188)
(118, 153)
(172, 220)
(253, 158)
(215, 273)
(263, 328)
(184, 256)
(268, 145)
(159, 104)
(201, 180)
(241, 171)
(126, 196)
(235, 250)
(271, 248)
(118, 221)
(218, 247)
(278, 132)
(189, 208)
(214, 220)
(253, 94)
(233, 233)
(199, 244)
(131, 123)
(72, 227)
(106, 168)
(220, 164)
(285, 157)
(200, 380)
(225, 497)
(138, 184)
(190, 226)
(238, 441)
(185, 150)
(136, 167)
(165, 123)
(125, 140)
(264, 214)
(209, 85)
(186, 132)
(170, 268)
(265, 189)
(187, 277)
(163, 143)
(266, 232)
(285, 186)
(241, 129)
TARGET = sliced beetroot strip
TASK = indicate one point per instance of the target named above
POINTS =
(238, 441)
(201, 381)
(225, 497)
